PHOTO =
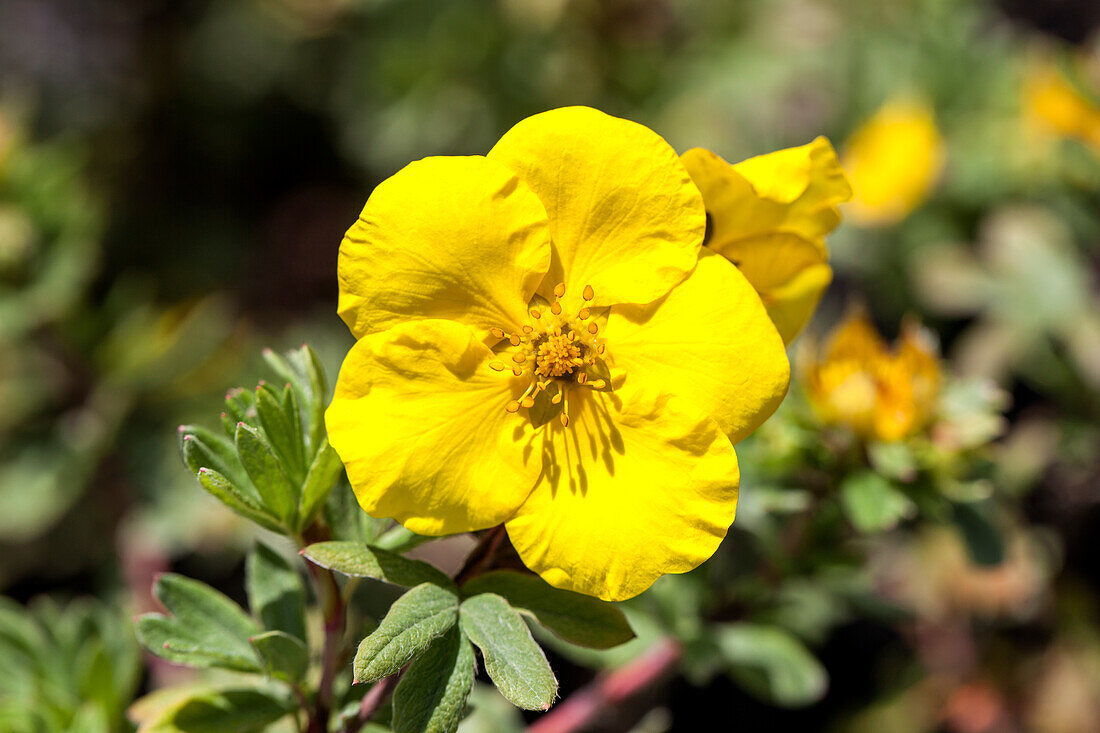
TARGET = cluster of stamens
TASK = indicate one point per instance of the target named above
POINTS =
(554, 351)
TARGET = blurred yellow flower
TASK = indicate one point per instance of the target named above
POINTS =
(1054, 107)
(893, 161)
(541, 343)
(769, 216)
(878, 392)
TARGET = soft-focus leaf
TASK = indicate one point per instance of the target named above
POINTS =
(285, 657)
(432, 694)
(872, 503)
(206, 628)
(360, 561)
(227, 493)
(574, 617)
(513, 660)
(283, 429)
(772, 664)
(263, 467)
(240, 710)
(322, 476)
(276, 593)
(414, 620)
(983, 539)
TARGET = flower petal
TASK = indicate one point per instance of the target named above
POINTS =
(625, 217)
(457, 238)
(418, 419)
(631, 493)
(710, 342)
(791, 305)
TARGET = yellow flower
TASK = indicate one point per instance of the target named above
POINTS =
(893, 160)
(541, 344)
(1052, 106)
(879, 393)
(769, 216)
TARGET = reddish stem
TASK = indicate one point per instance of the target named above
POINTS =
(583, 707)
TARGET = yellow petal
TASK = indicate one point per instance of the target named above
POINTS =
(791, 305)
(710, 342)
(456, 238)
(625, 217)
(419, 421)
(857, 339)
(630, 494)
(795, 190)
(893, 160)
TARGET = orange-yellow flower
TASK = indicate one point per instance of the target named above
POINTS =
(878, 392)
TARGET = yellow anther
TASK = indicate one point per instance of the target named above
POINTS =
(519, 357)
(582, 378)
(583, 313)
(600, 349)
(498, 333)
(518, 371)
(496, 366)
(535, 313)
(514, 339)
(588, 293)
(556, 356)
(559, 289)
(527, 401)
(556, 308)
(528, 329)
(556, 399)
(598, 384)
(578, 362)
(564, 420)
(512, 406)
(593, 328)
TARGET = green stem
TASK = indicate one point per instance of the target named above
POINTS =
(333, 611)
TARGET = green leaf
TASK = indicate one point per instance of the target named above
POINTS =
(263, 467)
(347, 520)
(432, 693)
(234, 710)
(576, 618)
(772, 664)
(513, 660)
(360, 561)
(275, 592)
(206, 628)
(227, 493)
(322, 476)
(285, 657)
(413, 621)
(202, 448)
(240, 406)
(983, 539)
(872, 503)
(282, 426)
(399, 539)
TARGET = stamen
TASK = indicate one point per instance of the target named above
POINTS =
(535, 313)
(514, 339)
(556, 399)
(583, 314)
(498, 333)
(593, 328)
(497, 366)
(599, 384)
(564, 420)
(512, 406)
(556, 308)
(519, 357)
(527, 401)
(527, 329)
(600, 349)
(559, 289)
(582, 378)
(588, 293)
(518, 371)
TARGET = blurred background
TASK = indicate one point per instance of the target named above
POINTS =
(175, 178)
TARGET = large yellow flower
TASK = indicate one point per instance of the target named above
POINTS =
(1053, 106)
(878, 392)
(541, 344)
(769, 216)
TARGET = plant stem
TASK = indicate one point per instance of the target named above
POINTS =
(333, 611)
(481, 557)
(583, 707)
(372, 701)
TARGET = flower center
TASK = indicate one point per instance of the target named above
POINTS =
(557, 353)
(557, 356)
